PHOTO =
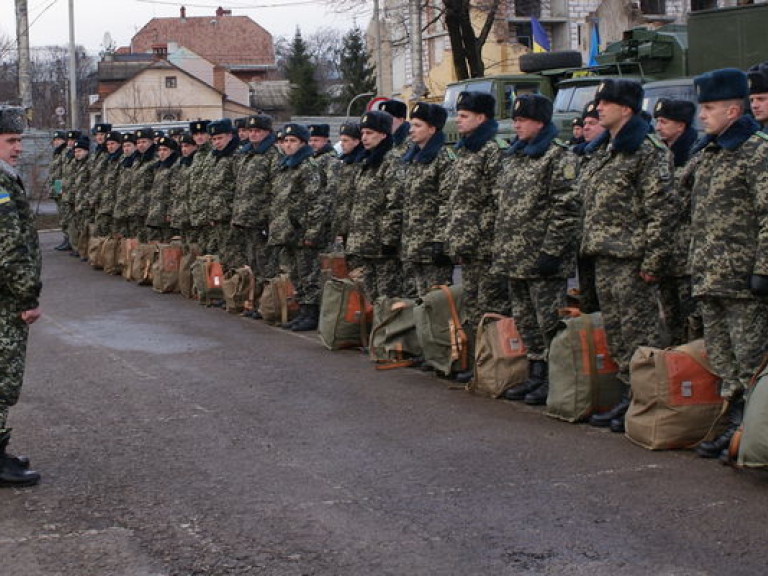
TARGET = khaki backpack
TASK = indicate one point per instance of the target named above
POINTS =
(143, 257)
(500, 357)
(95, 247)
(393, 342)
(188, 257)
(749, 446)
(239, 287)
(110, 252)
(165, 270)
(208, 278)
(277, 304)
(345, 315)
(125, 256)
(439, 330)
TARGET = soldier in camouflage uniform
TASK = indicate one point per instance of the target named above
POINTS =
(534, 243)
(400, 126)
(142, 177)
(253, 196)
(55, 172)
(81, 178)
(674, 119)
(324, 152)
(20, 285)
(158, 220)
(298, 217)
(98, 170)
(377, 174)
(68, 192)
(341, 184)
(729, 247)
(120, 218)
(630, 212)
(105, 202)
(197, 201)
(410, 220)
(467, 220)
(181, 187)
(757, 77)
(241, 127)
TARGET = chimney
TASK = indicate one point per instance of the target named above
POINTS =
(219, 12)
(218, 78)
(183, 13)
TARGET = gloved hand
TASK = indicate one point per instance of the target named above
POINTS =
(388, 250)
(548, 265)
(758, 284)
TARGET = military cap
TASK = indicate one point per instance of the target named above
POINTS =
(61, 134)
(220, 126)
(13, 120)
(168, 142)
(590, 111)
(673, 109)
(533, 106)
(620, 91)
(279, 134)
(199, 127)
(433, 114)
(477, 102)
(723, 84)
(259, 121)
(73, 134)
(297, 130)
(178, 131)
(84, 143)
(757, 77)
(129, 137)
(240, 122)
(322, 130)
(351, 129)
(146, 133)
(114, 136)
(187, 139)
(101, 128)
(159, 134)
(578, 121)
(377, 120)
(397, 108)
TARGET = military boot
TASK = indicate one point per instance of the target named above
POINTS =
(5, 437)
(537, 377)
(309, 321)
(714, 448)
(12, 470)
(613, 418)
(302, 312)
(539, 396)
(64, 245)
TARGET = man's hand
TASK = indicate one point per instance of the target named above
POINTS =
(649, 279)
(29, 316)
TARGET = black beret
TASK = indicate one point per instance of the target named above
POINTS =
(534, 107)
(627, 93)
(114, 136)
(377, 120)
(579, 121)
(298, 130)
(168, 142)
(159, 133)
(672, 109)
(590, 111)
(199, 127)
(433, 114)
(84, 143)
(175, 131)
(322, 130)
(351, 129)
(260, 121)
(101, 128)
(723, 84)
(187, 139)
(757, 76)
(73, 134)
(220, 126)
(240, 122)
(146, 133)
(61, 134)
(129, 137)
(397, 108)
(477, 102)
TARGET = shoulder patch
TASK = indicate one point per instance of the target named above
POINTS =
(560, 143)
(503, 144)
(657, 141)
(761, 134)
(4, 197)
(451, 152)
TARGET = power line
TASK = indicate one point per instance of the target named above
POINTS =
(241, 7)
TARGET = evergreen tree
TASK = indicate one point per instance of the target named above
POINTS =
(357, 73)
(305, 96)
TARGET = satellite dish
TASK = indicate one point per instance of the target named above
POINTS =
(107, 42)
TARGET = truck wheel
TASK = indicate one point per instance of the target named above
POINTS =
(538, 61)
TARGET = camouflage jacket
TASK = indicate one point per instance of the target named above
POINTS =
(198, 194)
(160, 197)
(56, 171)
(729, 223)
(678, 261)
(410, 220)
(400, 140)
(180, 190)
(539, 207)
(371, 188)
(81, 179)
(326, 158)
(341, 190)
(630, 205)
(299, 207)
(20, 261)
(467, 220)
(217, 183)
(123, 189)
(108, 192)
(68, 172)
(142, 177)
(253, 191)
(99, 159)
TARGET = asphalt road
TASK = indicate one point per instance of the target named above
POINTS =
(175, 439)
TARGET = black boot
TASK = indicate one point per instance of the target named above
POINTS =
(302, 312)
(309, 321)
(64, 245)
(12, 469)
(714, 448)
(537, 377)
(613, 418)
(539, 396)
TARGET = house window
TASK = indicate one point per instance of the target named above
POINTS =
(653, 6)
(170, 81)
(523, 33)
(528, 8)
(703, 5)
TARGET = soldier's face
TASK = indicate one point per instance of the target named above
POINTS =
(291, 145)
(100, 137)
(317, 142)
(256, 135)
(143, 144)
(220, 141)
(612, 115)
(421, 132)
(578, 131)
(526, 128)
(348, 143)
(187, 149)
(371, 138)
(759, 105)
(163, 152)
(58, 142)
(467, 122)
(80, 153)
(129, 148)
(200, 138)
(592, 129)
(10, 148)
(112, 146)
(669, 130)
(717, 116)
(242, 133)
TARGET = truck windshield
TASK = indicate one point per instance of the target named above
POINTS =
(452, 92)
(573, 99)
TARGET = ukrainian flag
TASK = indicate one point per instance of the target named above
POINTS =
(540, 39)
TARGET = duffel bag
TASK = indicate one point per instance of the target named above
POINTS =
(582, 374)
(143, 257)
(393, 341)
(95, 246)
(238, 288)
(344, 315)
(749, 446)
(676, 400)
(277, 304)
(188, 257)
(438, 327)
(165, 270)
(125, 256)
(500, 357)
(110, 255)
(208, 277)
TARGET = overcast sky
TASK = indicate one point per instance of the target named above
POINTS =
(49, 19)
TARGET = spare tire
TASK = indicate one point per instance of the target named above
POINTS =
(538, 61)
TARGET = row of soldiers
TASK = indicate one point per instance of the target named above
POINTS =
(638, 214)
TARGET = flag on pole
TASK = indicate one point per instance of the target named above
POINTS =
(594, 44)
(540, 39)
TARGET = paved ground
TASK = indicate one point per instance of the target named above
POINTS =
(175, 439)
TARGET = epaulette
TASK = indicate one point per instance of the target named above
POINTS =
(657, 141)
(561, 143)
(451, 152)
(502, 143)
(761, 134)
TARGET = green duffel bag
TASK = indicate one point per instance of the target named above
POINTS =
(582, 374)
(438, 327)
(749, 446)
(393, 340)
(344, 315)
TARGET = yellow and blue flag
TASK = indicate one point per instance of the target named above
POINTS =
(540, 39)
(594, 44)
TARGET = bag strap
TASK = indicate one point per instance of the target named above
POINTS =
(358, 287)
(592, 357)
(282, 299)
(461, 336)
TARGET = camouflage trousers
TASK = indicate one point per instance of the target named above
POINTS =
(13, 352)
(630, 310)
(482, 293)
(681, 318)
(159, 234)
(421, 276)
(213, 238)
(303, 265)
(103, 224)
(253, 250)
(587, 291)
(380, 276)
(736, 332)
(535, 304)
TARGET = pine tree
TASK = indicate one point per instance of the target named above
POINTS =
(305, 96)
(357, 73)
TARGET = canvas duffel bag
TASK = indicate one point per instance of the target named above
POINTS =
(676, 400)
(109, 255)
(438, 327)
(188, 257)
(165, 270)
(277, 304)
(345, 316)
(238, 288)
(125, 256)
(393, 341)
(582, 374)
(143, 257)
(208, 277)
(500, 356)
(95, 246)
(749, 445)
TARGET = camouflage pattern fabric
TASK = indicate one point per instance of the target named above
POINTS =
(142, 177)
(68, 192)
(198, 194)
(303, 265)
(120, 221)
(681, 317)
(535, 305)
(160, 201)
(99, 160)
(380, 277)
(483, 292)
(80, 214)
(54, 181)
(107, 195)
(426, 276)
(341, 187)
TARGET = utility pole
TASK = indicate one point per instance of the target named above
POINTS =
(22, 44)
(74, 115)
(417, 57)
(379, 59)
